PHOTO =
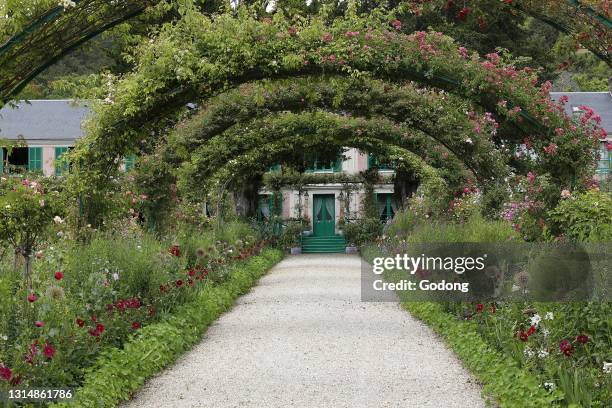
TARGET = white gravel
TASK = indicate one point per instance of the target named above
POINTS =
(303, 338)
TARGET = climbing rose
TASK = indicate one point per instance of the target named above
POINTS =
(479, 307)
(59, 275)
(32, 297)
(48, 350)
(551, 148)
(566, 347)
(135, 325)
(80, 322)
(396, 24)
(463, 13)
(327, 37)
(582, 339)
(531, 177)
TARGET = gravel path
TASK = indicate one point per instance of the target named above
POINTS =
(303, 338)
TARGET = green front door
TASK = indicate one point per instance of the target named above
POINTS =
(323, 215)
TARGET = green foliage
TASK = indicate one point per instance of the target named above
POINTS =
(585, 217)
(290, 236)
(121, 371)
(504, 380)
(362, 231)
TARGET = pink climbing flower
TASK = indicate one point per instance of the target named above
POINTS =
(551, 149)
(397, 24)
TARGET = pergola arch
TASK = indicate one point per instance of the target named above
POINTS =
(32, 46)
(422, 116)
(256, 50)
(299, 130)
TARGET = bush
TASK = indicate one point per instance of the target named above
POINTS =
(586, 217)
(362, 231)
(290, 236)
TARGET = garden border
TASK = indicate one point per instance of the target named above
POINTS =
(120, 372)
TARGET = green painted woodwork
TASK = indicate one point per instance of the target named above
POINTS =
(372, 162)
(130, 162)
(1, 160)
(60, 168)
(324, 215)
(386, 206)
(35, 159)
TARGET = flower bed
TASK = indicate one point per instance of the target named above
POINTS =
(121, 371)
(85, 299)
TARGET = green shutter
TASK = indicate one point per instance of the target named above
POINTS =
(60, 168)
(338, 164)
(371, 161)
(35, 158)
(130, 162)
(1, 160)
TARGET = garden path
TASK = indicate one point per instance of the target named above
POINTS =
(303, 338)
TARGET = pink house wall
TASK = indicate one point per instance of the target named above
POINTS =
(48, 158)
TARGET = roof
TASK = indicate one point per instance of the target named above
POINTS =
(600, 102)
(43, 120)
(61, 119)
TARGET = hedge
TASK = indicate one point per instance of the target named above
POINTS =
(120, 372)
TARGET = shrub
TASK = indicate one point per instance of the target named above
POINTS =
(586, 217)
(362, 231)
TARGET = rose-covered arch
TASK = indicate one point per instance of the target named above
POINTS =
(190, 63)
(297, 133)
(418, 116)
(253, 161)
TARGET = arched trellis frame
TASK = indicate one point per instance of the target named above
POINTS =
(187, 63)
(434, 118)
(300, 130)
(55, 31)
(253, 162)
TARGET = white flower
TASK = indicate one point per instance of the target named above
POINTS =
(58, 220)
(536, 319)
(469, 141)
(8, 206)
(545, 332)
(565, 194)
(515, 288)
(549, 316)
(528, 352)
(543, 353)
(60, 234)
(67, 3)
(271, 6)
(607, 368)
(550, 386)
(4, 337)
(234, 4)
(41, 202)
(115, 276)
(308, 2)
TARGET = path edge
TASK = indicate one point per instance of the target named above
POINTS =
(119, 372)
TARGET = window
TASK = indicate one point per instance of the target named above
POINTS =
(35, 158)
(604, 164)
(130, 162)
(60, 167)
(372, 162)
(16, 161)
(315, 165)
(269, 205)
(387, 206)
(275, 168)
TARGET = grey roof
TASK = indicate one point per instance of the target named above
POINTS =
(43, 120)
(600, 102)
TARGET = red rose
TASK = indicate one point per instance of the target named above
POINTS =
(523, 336)
(80, 322)
(151, 310)
(100, 327)
(135, 325)
(59, 275)
(39, 324)
(32, 298)
(5, 372)
(566, 347)
(582, 339)
(48, 350)
(16, 381)
(479, 307)
(191, 272)
(179, 283)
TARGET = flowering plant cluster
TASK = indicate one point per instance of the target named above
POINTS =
(85, 299)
